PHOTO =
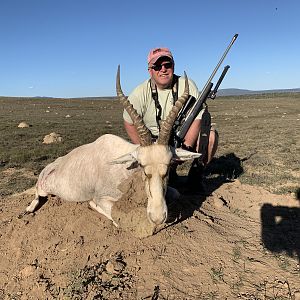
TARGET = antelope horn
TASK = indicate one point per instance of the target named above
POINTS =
(142, 130)
(166, 127)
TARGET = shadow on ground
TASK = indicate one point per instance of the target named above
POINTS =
(281, 229)
(221, 170)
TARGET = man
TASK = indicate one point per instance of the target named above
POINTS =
(154, 98)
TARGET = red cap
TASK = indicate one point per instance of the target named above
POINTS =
(157, 53)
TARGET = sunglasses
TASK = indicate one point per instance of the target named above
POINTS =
(167, 65)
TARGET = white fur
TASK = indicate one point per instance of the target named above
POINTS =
(93, 172)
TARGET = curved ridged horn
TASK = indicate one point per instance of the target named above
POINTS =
(143, 131)
(166, 127)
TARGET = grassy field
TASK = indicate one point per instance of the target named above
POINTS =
(259, 133)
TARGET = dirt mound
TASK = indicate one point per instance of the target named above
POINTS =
(130, 211)
(239, 242)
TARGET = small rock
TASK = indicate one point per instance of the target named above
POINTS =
(27, 271)
(219, 202)
(52, 138)
(110, 267)
(105, 277)
(208, 220)
(115, 267)
(23, 125)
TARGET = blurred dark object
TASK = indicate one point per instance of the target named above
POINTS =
(281, 229)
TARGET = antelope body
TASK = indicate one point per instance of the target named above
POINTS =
(93, 172)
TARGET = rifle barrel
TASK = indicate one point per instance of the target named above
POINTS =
(220, 62)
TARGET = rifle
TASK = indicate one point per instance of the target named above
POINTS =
(183, 123)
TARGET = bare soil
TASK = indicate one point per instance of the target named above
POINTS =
(240, 242)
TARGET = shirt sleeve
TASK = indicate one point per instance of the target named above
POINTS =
(193, 90)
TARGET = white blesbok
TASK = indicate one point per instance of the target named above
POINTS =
(93, 172)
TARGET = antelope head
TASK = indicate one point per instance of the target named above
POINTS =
(154, 158)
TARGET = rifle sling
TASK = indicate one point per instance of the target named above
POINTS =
(154, 93)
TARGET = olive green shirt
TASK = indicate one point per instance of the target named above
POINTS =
(141, 99)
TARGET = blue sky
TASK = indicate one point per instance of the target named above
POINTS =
(71, 48)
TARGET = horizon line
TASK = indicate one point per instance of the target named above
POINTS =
(224, 89)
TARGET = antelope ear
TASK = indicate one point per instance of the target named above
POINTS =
(179, 153)
(128, 157)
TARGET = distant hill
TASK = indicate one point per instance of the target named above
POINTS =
(239, 92)
(221, 92)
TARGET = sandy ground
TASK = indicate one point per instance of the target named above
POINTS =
(238, 242)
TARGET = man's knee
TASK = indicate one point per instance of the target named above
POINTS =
(208, 145)
(214, 138)
(212, 146)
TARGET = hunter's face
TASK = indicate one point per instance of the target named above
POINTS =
(162, 72)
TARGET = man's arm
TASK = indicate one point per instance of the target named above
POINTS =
(132, 133)
(191, 136)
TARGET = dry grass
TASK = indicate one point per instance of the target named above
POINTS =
(265, 134)
(259, 135)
